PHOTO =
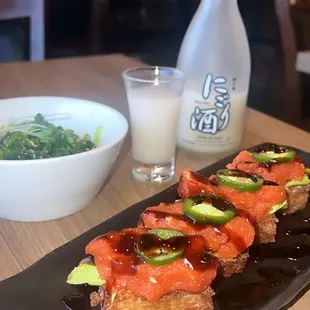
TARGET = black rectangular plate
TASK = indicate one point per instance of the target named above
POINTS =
(276, 280)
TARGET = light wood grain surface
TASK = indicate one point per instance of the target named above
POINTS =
(99, 79)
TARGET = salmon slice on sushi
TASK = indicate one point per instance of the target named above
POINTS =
(279, 164)
(227, 237)
(258, 199)
(145, 269)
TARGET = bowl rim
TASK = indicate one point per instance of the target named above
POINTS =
(67, 157)
(179, 74)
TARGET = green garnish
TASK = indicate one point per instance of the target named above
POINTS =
(276, 208)
(85, 273)
(304, 181)
(38, 139)
(97, 136)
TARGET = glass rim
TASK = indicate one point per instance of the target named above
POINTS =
(178, 77)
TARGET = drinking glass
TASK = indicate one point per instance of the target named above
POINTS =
(154, 99)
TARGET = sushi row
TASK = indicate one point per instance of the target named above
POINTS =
(177, 249)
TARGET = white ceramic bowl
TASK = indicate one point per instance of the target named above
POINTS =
(46, 189)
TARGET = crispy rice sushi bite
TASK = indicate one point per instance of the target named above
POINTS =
(229, 241)
(279, 164)
(247, 192)
(126, 300)
(138, 269)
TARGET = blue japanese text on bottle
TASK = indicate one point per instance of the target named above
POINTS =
(215, 58)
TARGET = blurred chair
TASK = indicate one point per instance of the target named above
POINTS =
(293, 101)
(303, 57)
(34, 10)
(99, 8)
(303, 62)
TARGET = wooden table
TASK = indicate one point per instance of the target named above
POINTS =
(99, 79)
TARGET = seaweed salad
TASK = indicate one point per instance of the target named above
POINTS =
(38, 138)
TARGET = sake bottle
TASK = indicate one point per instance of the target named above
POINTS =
(215, 58)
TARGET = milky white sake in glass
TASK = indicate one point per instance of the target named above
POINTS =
(154, 98)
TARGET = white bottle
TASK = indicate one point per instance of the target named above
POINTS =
(215, 58)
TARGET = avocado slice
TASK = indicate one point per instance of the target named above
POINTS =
(85, 273)
(276, 208)
(304, 181)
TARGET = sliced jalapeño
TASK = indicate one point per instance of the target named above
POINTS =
(161, 246)
(209, 209)
(240, 180)
(272, 154)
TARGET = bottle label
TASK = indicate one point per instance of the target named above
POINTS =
(212, 114)
(213, 119)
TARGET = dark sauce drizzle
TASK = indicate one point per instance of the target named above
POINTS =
(248, 295)
(237, 296)
(238, 242)
(306, 220)
(271, 148)
(278, 149)
(80, 301)
(270, 183)
(243, 174)
(129, 260)
(262, 165)
(214, 182)
(231, 297)
(198, 177)
(299, 231)
(291, 252)
(194, 253)
(126, 261)
(274, 266)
